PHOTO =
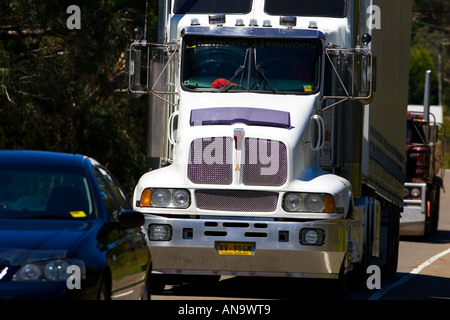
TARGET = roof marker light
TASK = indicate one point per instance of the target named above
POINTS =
(267, 23)
(312, 25)
(217, 19)
(253, 23)
(195, 22)
(288, 21)
(239, 23)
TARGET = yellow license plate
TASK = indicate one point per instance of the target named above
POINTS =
(235, 248)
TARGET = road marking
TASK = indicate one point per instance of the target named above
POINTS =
(404, 279)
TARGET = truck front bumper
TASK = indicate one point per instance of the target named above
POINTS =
(412, 221)
(413, 218)
(279, 248)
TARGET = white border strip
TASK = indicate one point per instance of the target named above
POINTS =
(415, 271)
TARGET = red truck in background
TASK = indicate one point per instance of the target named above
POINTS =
(425, 150)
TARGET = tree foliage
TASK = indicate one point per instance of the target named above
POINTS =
(420, 62)
(430, 49)
(62, 89)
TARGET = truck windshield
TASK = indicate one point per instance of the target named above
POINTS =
(243, 64)
(212, 6)
(306, 8)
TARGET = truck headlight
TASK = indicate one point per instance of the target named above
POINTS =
(406, 192)
(52, 270)
(180, 198)
(415, 192)
(314, 202)
(160, 198)
(312, 237)
(309, 202)
(164, 198)
(160, 232)
(292, 202)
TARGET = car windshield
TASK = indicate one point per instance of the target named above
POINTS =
(245, 64)
(41, 192)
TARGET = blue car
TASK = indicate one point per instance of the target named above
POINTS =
(67, 230)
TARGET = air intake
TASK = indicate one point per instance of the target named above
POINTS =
(265, 163)
(211, 161)
(236, 200)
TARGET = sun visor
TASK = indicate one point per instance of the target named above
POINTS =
(248, 116)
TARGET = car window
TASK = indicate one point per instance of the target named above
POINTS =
(111, 205)
(44, 192)
(117, 191)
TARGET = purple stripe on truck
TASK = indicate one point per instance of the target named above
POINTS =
(248, 116)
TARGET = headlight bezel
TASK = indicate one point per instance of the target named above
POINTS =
(147, 199)
(166, 236)
(323, 202)
(412, 192)
(54, 270)
(312, 237)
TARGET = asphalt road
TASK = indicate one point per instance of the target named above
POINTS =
(423, 274)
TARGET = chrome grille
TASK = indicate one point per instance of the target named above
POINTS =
(265, 163)
(210, 161)
(236, 200)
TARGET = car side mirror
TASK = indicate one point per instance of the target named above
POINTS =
(130, 219)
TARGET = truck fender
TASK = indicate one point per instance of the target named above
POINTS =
(438, 181)
(348, 207)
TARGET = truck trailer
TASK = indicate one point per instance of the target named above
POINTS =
(276, 137)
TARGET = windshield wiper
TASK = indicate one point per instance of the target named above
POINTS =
(261, 72)
(236, 73)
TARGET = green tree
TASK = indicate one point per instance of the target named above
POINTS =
(420, 62)
(63, 90)
(431, 30)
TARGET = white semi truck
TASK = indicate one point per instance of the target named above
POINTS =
(276, 136)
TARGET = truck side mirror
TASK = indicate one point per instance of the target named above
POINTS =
(365, 82)
(133, 72)
(350, 72)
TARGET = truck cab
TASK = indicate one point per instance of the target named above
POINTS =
(425, 150)
(259, 140)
